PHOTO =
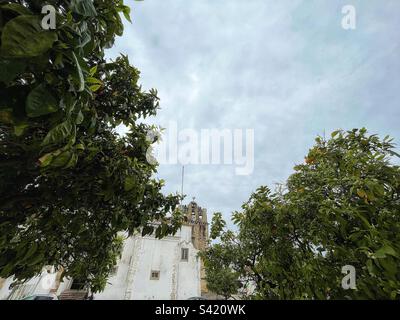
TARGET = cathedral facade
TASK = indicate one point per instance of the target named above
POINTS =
(148, 269)
(166, 269)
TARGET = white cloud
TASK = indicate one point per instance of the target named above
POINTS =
(284, 68)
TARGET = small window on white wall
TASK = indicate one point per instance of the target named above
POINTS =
(185, 254)
(155, 275)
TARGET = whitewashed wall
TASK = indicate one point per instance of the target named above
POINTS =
(140, 255)
(42, 284)
(178, 279)
(4, 290)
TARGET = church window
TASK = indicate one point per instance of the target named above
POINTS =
(185, 254)
(155, 275)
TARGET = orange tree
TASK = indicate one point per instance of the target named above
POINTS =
(68, 183)
(341, 207)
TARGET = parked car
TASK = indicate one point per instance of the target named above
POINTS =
(197, 298)
(41, 297)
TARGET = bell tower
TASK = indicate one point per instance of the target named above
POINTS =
(196, 217)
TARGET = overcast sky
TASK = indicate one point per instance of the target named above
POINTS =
(286, 69)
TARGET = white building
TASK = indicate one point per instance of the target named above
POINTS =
(48, 282)
(149, 268)
(152, 269)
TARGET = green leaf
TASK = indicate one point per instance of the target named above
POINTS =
(79, 118)
(385, 250)
(84, 39)
(80, 73)
(19, 129)
(94, 80)
(130, 183)
(83, 7)
(23, 37)
(93, 71)
(40, 102)
(59, 133)
(72, 161)
(127, 13)
(45, 160)
(62, 159)
(371, 268)
(80, 146)
(95, 87)
(58, 159)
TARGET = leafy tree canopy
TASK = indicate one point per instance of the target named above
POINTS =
(221, 278)
(68, 182)
(341, 207)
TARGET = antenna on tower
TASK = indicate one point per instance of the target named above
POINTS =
(183, 178)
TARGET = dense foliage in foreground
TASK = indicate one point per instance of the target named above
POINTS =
(68, 183)
(341, 207)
